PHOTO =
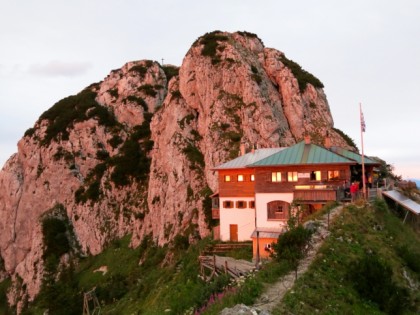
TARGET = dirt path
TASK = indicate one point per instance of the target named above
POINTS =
(275, 292)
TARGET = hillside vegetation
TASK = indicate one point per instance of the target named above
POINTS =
(370, 264)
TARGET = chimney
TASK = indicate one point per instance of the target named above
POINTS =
(327, 141)
(307, 139)
(253, 148)
(242, 148)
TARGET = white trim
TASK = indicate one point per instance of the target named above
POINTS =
(261, 201)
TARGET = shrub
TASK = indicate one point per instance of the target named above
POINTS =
(176, 94)
(113, 92)
(303, 77)
(54, 237)
(346, 138)
(60, 295)
(63, 154)
(207, 209)
(132, 161)
(210, 42)
(94, 191)
(181, 242)
(410, 256)
(257, 78)
(102, 155)
(148, 89)
(194, 155)
(291, 246)
(224, 126)
(233, 136)
(115, 141)
(372, 279)
(247, 34)
(141, 70)
(104, 116)
(69, 110)
(139, 100)
(79, 195)
(29, 132)
(186, 120)
(170, 71)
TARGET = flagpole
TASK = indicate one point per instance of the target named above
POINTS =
(362, 130)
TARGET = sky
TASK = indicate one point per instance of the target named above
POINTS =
(364, 51)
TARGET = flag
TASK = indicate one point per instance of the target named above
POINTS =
(362, 121)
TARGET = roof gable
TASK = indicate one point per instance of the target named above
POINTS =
(301, 154)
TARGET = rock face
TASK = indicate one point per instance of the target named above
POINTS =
(134, 153)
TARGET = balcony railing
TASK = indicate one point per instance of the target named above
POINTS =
(312, 194)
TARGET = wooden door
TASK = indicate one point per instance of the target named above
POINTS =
(233, 228)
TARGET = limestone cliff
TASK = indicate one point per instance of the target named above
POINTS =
(134, 153)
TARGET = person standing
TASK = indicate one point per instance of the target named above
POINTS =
(353, 191)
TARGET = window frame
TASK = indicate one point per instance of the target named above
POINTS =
(317, 174)
(336, 175)
(230, 202)
(293, 175)
(244, 203)
(277, 214)
(276, 177)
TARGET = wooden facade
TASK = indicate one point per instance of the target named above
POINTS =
(231, 185)
(298, 175)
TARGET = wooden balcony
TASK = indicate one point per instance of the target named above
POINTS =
(315, 195)
(215, 213)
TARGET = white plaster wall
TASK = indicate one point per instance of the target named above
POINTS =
(261, 201)
(244, 218)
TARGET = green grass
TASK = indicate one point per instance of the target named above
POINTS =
(151, 279)
(145, 280)
(329, 286)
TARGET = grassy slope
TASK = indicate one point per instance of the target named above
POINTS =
(327, 287)
(159, 284)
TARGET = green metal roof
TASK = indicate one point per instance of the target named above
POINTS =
(353, 155)
(249, 158)
(302, 153)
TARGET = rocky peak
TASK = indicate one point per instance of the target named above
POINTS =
(134, 153)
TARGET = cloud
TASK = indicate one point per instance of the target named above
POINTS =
(57, 68)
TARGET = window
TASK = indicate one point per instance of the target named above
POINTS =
(252, 204)
(228, 204)
(276, 176)
(240, 178)
(333, 175)
(215, 203)
(252, 178)
(316, 175)
(227, 178)
(292, 176)
(240, 204)
(277, 210)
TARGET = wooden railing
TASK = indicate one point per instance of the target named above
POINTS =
(315, 194)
